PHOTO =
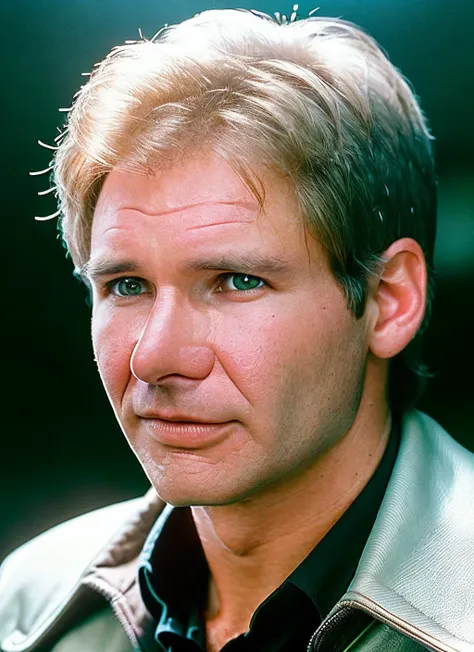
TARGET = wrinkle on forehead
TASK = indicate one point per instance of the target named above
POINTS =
(222, 223)
(178, 209)
(198, 217)
(208, 179)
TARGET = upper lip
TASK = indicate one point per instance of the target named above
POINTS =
(175, 417)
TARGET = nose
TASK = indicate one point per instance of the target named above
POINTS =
(172, 344)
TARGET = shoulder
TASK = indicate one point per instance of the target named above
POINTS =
(417, 565)
(40, 579)
(422, 436)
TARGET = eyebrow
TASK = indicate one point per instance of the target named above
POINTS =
(94, 269)
(249, 263)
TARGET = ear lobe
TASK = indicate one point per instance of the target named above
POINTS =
(400, 298)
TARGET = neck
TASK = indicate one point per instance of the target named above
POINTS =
(253, 546)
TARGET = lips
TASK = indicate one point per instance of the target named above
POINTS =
(178, 418)
(183, 433)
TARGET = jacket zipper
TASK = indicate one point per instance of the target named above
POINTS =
(327, 626)
(380, 614)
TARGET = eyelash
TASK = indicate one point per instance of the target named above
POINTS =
(111, 286)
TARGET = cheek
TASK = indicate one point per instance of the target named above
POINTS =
(266, 345)
(113, 341)
(250, 351)
(309, 362)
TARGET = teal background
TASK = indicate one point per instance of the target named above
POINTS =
(62, 451)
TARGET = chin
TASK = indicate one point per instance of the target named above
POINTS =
(189, 479)
(180, 497)
(192, 490)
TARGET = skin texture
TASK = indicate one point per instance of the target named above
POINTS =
(289, 385)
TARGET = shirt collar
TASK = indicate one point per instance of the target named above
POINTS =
(172, 575)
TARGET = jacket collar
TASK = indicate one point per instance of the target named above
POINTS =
(417, 569)
(45, 584)
(113, 573)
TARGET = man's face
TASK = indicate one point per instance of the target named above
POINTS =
(224, 342)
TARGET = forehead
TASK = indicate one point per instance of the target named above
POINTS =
(197, 181)
(203, 180)
(200, 216)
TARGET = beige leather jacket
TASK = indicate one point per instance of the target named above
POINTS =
(414, 585)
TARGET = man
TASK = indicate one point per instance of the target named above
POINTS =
(253, 207)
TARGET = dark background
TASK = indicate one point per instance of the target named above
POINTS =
(62, 451)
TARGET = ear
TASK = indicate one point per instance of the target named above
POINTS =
(399, 299)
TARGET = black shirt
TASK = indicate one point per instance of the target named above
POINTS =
(174, 576)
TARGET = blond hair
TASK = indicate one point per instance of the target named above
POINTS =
(314, 100)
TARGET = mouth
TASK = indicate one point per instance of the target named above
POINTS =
(185, 432)
(181, 419)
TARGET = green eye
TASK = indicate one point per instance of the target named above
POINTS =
(242, 282)
(128, 287)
